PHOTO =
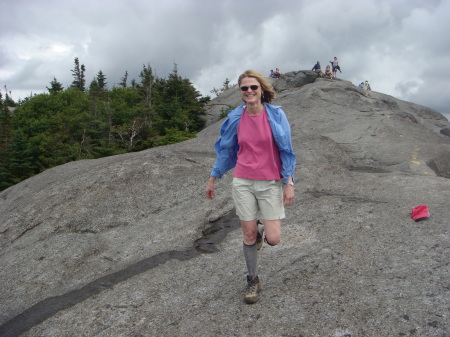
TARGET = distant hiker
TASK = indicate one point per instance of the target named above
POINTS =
(361, 85)
(335, 64)
(272, 74)
(317, 69)
(366, 88)
(256, 141)
(277, 73)
(328, 71)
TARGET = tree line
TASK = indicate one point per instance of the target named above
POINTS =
(79, 122)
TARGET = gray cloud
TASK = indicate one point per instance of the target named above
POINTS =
(400, 47)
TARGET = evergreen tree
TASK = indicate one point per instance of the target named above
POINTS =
(95, 93)
(225, 86)
(123, 80)
(6, 127)
(145, 89)
(8, 101)
(101, 79)
(147, 79)
(6, 130)
(6, 179)
(177, 105)
(20, 160)
(94, 87)
(51, 129)
(125, 118)
(55, 87)
(78, 74)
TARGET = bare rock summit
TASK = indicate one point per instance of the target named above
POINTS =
(129, 246)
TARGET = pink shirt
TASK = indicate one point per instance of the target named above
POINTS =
(258, 156)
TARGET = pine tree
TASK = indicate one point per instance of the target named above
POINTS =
(78, 74)
(226, 84)
(6, 124)
(101, 80)
(124, 79)
(146, 85)
(147, 79)
(8, 101)
(55, 87)
(94, 87)
(46, 130)
(177, 105)
(20, 159)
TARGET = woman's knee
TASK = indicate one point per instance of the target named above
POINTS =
(272, 230)
(272, 240)
(249, 231)
(249, 238)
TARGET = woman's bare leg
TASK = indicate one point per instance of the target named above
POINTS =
(272, 230)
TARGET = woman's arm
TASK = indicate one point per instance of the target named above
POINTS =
(210, 188)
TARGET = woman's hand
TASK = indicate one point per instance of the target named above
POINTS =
(288, 194)
(210, 188)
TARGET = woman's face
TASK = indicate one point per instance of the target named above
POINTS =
(251, 96)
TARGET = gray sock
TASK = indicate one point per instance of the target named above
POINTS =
(250, 254)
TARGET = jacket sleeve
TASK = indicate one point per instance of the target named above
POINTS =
(287, 155)
(282, 135)
(226, 148)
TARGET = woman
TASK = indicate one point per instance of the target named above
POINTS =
(328, 71)
(256, 141)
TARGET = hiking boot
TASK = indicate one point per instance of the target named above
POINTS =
(253, 288)
(259, 237)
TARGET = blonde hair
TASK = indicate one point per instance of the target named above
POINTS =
(268, 94)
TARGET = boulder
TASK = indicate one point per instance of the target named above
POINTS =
(294, 79)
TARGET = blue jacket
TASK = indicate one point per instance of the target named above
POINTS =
(227, 146)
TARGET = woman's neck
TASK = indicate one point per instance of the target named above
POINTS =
(255, 108)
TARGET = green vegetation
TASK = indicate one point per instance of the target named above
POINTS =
(224, 111)
(226, 85)
(64, 125)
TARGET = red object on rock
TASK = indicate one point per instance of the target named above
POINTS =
(420, 213)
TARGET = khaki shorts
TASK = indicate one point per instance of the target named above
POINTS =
(265, 196)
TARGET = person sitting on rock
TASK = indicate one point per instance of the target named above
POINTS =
(272, 74)
(366, 86)
(278, 73)
(317, 69)
(328, 72)
(361, 85)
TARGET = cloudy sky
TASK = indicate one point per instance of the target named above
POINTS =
(402, 47)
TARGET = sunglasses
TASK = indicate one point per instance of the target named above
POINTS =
(253, 87)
